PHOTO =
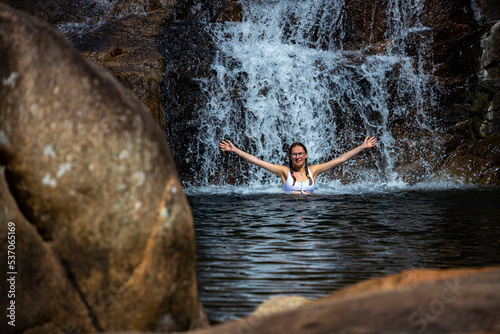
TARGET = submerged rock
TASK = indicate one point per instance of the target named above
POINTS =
(279, 304)
(92, 172)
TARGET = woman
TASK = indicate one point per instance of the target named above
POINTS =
(298, 177)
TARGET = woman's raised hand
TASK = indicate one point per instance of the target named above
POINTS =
(370, 142)
(226, 146)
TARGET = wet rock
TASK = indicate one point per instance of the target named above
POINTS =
(134, 6)
(90, 169)
(418, 301)
(363, 30)
(490, 75)
(207, 11)
(417, 147)
(188, 51)
(486, 11)
(460, 59)
(474, 161)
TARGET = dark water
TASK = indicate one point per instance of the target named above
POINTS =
(251, 247)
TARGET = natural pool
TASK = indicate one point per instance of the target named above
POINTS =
(253, 245)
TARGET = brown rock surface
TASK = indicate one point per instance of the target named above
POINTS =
(127, 47)
(279, 304)
(91, 170)
(41, 284)
(418, 301)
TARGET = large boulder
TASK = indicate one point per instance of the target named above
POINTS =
(91, 171)
(417, 301)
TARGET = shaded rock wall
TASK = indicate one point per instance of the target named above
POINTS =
(102, 217)
(51, 11)
(466, 145)
(188, 52)
(489, 75)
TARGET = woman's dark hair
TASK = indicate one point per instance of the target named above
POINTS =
(290, 162)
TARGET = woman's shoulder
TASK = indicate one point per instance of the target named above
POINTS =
(312, 168)
(284, 170)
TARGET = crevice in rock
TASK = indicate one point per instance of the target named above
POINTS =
(72, 281)
(492, 64)
(25, 210)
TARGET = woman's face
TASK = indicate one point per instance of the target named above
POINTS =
(298, 155)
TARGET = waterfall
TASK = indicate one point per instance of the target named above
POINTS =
(283, 75)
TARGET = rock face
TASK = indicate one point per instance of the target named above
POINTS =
(490, 75)
(420, 301)
(102, 217)
(188, 52)
(128, 48)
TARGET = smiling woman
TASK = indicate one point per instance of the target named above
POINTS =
(298, 177)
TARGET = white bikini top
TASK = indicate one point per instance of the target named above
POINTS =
(302, 186)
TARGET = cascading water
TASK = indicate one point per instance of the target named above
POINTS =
(283, 75)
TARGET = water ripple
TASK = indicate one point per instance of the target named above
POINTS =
(254, 246)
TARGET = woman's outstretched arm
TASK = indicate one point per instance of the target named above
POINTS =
(227, 146)
(321, 168)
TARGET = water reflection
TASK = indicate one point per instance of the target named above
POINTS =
(253, 246)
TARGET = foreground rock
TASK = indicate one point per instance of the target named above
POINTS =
(430, 301)
(91, 171)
